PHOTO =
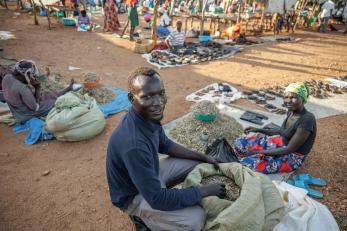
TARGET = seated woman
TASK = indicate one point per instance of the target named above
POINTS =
(22, 92)
(84, 22)
(287, 151)
(164, 28)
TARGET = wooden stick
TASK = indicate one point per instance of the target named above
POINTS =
(47, 14)
(36, 22)
(202, 17)
(154, 24)
(125, 27)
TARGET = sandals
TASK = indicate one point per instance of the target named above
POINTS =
(302, 184)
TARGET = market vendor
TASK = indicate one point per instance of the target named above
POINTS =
(132, 17)
(164, 28)
(22, 92)
(176, 38)
(84, 22)
(284, 149)
(138, 181)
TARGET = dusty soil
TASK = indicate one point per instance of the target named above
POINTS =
(74, 195)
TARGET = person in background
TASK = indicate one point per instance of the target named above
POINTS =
(22, 92)
(139, 182)
(325, 15)
(111, 22)
(132, 17)
(84, 22)
(176, 38)
(164, 28)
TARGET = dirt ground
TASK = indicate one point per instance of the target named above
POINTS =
(74, 196)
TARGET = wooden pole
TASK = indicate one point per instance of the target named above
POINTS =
(262, 18)
(172, 7)
(154, 24)
(303, 5)
(202, 17)
(124, 29)
(47, 14)
(239, 12)
(36, 22)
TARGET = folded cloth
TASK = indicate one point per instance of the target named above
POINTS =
(36, 129)
(118, 104)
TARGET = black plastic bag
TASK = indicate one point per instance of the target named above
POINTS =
(221, 150)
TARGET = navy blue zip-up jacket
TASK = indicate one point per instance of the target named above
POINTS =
(132, 166)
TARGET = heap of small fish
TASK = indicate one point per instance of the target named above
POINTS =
(318, 89)
(260, 97)
(191, 54)
(232, 189)
(192, 133)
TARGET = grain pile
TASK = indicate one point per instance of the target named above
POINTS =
(101, 94)
(189, 131)
(232, 189)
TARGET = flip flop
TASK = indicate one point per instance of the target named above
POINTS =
(311, 192)
(307, 178)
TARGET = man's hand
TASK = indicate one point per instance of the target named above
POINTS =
(211, 160)
(214, 189)
(250, 129)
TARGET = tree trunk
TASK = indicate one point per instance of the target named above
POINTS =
(47, 14)
(36, 22)
(202, 20)
(154, 23)
(239, 12)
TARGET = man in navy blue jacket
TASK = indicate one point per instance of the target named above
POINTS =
(137, 179)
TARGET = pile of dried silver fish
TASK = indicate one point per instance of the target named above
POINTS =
(50, 82)
(196, 134)
(101, 94)
(318, 88)
(232, 189)
(191, 54)
(260, 97)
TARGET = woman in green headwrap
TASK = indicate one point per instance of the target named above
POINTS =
(284, 149)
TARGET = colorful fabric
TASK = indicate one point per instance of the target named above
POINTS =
(133, 17)
(264, 163)
(299, 88)
(111, 22)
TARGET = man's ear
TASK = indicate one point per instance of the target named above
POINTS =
(131, 97)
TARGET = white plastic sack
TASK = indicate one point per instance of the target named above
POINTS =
(75, 117)
(303, 213)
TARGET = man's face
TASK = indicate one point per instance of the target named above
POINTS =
(179, 26)
(148, 97)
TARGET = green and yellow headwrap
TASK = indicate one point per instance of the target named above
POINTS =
(299, 88)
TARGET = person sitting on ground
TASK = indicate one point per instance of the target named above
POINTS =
(164, 29)
(138, 181)
(176, 38)
(22, 92)
(285, 149)
(325, 15)
(84, 22)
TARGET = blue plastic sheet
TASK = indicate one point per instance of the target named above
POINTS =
(118, 104)
(36, 128)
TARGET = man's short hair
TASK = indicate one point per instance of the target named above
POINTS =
(141, 71)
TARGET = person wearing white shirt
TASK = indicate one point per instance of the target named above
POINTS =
(325, 15)
(164, 28)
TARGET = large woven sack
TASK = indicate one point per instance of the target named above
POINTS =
(75, 117)
(259, 207)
